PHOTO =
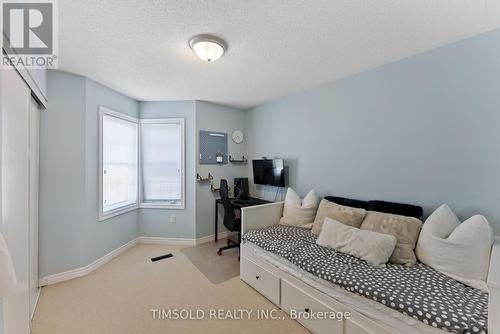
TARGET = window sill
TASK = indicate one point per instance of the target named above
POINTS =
(117, 212)
(161, 206)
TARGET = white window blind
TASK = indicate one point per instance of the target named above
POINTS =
(162, 156)
(119, 163)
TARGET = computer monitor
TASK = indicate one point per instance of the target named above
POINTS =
(241, 188)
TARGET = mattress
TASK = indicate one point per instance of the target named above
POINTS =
(417, 296)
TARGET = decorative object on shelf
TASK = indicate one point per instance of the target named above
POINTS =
(219, 157)
(200, 178)
(237, 136)
(213, 148)
(243, 160)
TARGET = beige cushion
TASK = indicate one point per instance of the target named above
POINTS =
(375, 248)
(405, 229)
(343, 214)
(298, 212)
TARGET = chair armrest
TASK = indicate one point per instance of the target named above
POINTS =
(494, 288)
(259, 216)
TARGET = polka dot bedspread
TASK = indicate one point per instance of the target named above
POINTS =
(417, 291)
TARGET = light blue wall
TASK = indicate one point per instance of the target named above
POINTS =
(105, 236)
(424, 130)
(214, 117)
(156, 222)
(62, 221)
(70, 234)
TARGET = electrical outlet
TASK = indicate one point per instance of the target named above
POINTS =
(172, 219)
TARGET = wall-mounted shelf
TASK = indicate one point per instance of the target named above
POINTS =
(243, 160)
(200, 178)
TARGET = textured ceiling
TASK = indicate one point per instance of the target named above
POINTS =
(276, 47)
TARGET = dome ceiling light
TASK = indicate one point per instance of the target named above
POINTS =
(207, 47)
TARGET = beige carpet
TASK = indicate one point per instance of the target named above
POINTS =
(117, 299)
(217, 269)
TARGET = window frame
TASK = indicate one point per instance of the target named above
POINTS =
(164, 204)
(134, 206)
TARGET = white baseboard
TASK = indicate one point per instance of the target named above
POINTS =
(79, 272)
(167, 241)
(183, 241)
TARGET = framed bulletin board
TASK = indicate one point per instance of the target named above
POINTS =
(213, 148)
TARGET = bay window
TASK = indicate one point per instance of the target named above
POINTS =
(141, 163)
(162, 163)
(119, 163)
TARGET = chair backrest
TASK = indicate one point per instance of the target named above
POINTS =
(229, 215)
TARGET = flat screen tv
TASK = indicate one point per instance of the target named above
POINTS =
(269, 172)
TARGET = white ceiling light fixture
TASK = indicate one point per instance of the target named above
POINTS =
(207, 47)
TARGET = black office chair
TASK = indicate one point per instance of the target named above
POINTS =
(232, 218)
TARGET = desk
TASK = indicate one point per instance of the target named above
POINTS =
(252, 201)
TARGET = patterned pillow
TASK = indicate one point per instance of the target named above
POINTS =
(343, 214)
(405, 229)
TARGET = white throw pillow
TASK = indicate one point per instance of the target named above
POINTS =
(459, 250)
(373, 247)
(299, 212)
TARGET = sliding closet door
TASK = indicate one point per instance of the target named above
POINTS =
(15, 196)
(34, 115)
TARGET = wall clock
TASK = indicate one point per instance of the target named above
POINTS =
(237, 136)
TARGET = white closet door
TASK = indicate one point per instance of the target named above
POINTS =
(15, 196)
(34, 114)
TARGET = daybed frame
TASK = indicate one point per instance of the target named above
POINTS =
(290, 293)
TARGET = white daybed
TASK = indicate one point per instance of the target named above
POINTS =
(291, 288)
